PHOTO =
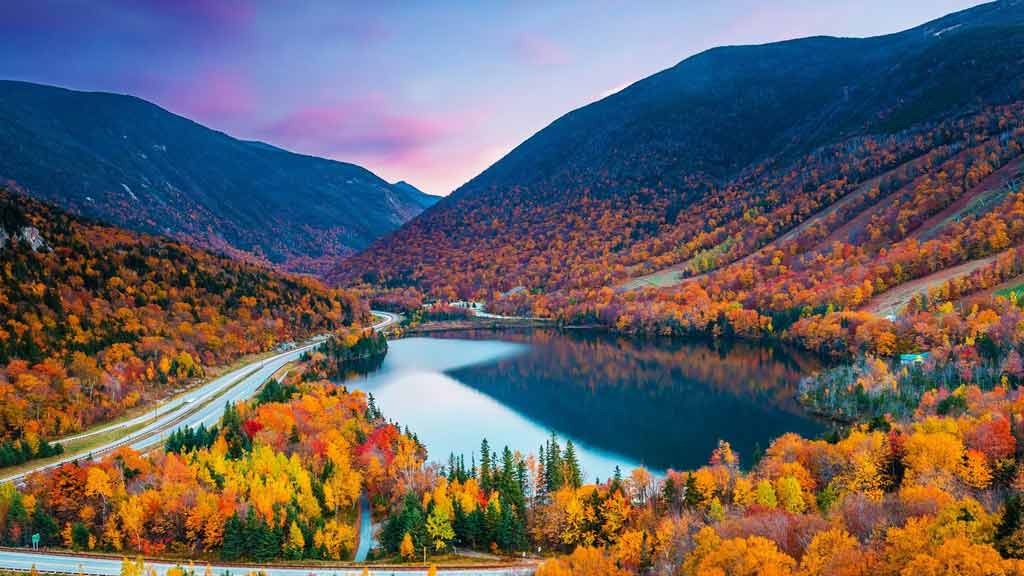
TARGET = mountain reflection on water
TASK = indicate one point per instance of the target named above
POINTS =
(660, 403)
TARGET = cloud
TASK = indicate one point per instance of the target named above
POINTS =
(374, 132)
(360, 127)
(210, 96)
(540, 51)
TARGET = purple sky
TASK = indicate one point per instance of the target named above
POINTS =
(407, 89)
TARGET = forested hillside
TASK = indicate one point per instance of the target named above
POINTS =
(277, 478)
(95, 320)
(726, 194)
(134, 164)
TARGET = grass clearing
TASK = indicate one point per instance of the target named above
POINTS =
(1014, 291)
(79, 447)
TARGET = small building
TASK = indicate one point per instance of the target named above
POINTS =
(911, 359)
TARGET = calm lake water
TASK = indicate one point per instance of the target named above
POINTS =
(657, 403)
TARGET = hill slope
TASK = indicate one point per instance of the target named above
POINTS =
(96, 319)
(132, 163)
(704, 164)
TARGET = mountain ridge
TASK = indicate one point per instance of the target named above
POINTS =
(128, 161)
(705, 163)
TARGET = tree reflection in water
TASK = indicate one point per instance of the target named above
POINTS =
(661, 402)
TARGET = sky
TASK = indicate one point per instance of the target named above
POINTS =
(427, 92)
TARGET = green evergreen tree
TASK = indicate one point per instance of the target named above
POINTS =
(478, 529)
(573, 473)
(234, 540)
(691, 497)
(669, 493)
(485, 466)
(554, 465)
(492, 524)
(542, 473)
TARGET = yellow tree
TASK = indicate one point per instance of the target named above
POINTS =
(439, 527)
(764, 494)
(789, 495)
(751, 556)
(296, 541)
(336, 538)
(406, 549)
(833, 551)
(975, 471)
(933, 453)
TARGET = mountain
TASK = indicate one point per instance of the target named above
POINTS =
(702, 169)
(416, 195)
(130, 162)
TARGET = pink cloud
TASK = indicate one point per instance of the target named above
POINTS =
(424, 148)
(209, 96)
(540, 50)
(363, 128)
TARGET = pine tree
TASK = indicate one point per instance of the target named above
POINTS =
(478, 528)
(522, 477)
(460, 524)
(506, 529)
(234, 541)
(485, 466)
(692, 496)
(554, 465)
(372, 413)
(542, 473)
(492, 523)
(669, 493)
(574, 476)
(646, 561)
(507, 482)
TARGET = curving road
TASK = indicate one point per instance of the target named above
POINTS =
(204, 405)
(108, 566)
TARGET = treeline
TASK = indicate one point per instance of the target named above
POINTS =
(349, 353)
(13, 453)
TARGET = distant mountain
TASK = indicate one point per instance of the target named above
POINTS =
(130, 162)
(706, 161)
(425, 200)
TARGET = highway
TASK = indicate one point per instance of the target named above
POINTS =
(205, 406)
(109, 566)
(206, 403)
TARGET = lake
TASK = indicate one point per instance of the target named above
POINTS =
(659, 403)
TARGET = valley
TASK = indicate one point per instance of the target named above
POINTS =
(756, 313)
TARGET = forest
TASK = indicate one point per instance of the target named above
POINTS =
(277, 478)
(858, 200)
(96, 321)
(935, 492)
(898, 256)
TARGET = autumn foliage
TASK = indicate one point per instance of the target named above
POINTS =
(277, 480)
(95, 320)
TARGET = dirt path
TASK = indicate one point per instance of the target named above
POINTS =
(1011, 283)
(674, 275)
(981, 196)
(892, 301)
